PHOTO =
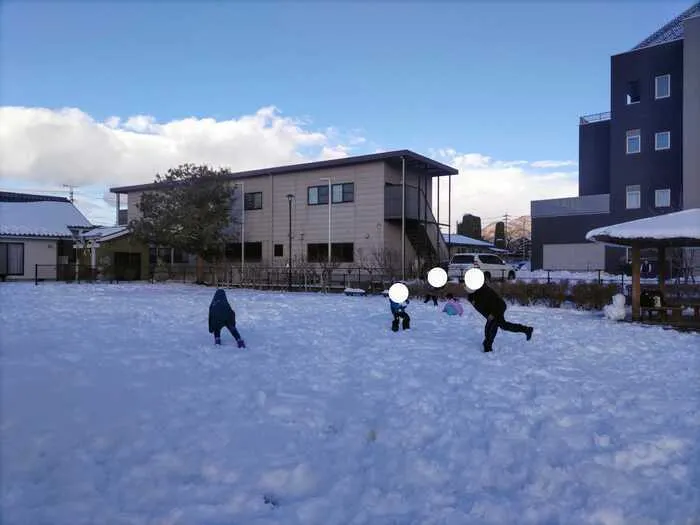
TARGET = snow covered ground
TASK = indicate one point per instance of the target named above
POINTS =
(118, 409)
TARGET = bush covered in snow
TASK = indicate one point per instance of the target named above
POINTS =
(588, 296)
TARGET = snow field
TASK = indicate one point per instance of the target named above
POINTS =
(117, 408)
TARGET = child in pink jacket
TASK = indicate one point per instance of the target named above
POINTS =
(452, 307)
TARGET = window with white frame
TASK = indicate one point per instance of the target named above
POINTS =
(634, 141)
(662, 140)
(634, 197)
(662, 198)
(662, 86)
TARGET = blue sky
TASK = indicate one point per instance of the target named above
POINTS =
(504, 80)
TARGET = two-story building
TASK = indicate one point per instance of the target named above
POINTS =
(363, 205)
(640, 159)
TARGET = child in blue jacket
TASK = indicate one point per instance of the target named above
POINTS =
(399, 312)
(222, 315)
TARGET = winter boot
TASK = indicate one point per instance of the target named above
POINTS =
(487, 347)
(406, 323)
(395, 325)
(528, 332)
(217, 340)
(241, 343)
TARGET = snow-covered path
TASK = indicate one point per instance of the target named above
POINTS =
(118, 409)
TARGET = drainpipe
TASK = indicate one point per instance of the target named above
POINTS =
(403, 218)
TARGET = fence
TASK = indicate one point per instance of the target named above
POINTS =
(70, 273)
(371, 279)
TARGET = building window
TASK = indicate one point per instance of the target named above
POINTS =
(279, 250)
(633, 96)
(317, 195)
(662, 140)
(11, 258)
(342, 252)
(253, 201)
(342, 192)
(662, 86)
(662, 198)
(179, 256)
(634, 141)
(253, 251)
(634, 197)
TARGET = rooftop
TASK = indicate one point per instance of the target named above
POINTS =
(43, 218)
(11, 196)
(413, 160)
(672, 31)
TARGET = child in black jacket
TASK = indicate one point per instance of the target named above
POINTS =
(222, 315)
(489, 304)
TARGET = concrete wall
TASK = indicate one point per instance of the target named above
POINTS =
(586, 256)
(36, 251)
(567, 230)
(594, 158)
(650, 169)
(691, 113)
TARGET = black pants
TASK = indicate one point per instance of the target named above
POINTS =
(496, 322)
(401, 315)
(429, 297)
(231, 328)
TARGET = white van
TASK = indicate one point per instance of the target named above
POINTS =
(492, 265)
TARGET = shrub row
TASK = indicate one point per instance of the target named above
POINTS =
(587, 296)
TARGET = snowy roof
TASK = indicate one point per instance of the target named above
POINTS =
(40, 219)
(672, 31)
(681, 229)
(107, 233)
(456, 239)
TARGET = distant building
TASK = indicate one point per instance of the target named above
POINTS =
(640, 159)
(470, 226)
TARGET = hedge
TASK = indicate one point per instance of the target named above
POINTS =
(584, 295)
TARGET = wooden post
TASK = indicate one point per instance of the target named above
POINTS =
(636, 283)
(662, 269)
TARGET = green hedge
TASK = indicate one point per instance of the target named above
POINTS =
(584, 295)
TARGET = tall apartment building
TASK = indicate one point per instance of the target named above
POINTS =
(640, 159)
(367, 211)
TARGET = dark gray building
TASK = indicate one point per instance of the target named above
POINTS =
(640, 159)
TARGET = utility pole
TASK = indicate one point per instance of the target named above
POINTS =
(70, 191)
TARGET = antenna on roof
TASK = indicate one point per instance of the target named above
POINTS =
(70, 189)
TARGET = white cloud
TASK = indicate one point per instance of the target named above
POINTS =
(67, 146)
(490, 188)
(552, 163)
(44, 148)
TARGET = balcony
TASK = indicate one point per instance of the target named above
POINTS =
(592, 119)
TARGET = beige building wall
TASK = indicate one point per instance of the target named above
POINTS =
(360, 222)
(36, 251)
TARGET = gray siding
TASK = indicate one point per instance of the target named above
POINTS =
(691, 114)
(569, 206)
(650, 169)
(594, 158)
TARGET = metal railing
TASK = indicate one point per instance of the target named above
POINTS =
(305, 278)
(595, 117)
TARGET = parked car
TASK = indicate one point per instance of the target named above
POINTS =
(492, 266)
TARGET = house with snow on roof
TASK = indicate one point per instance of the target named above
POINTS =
(44, 236)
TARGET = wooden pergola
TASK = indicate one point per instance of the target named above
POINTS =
(671, 230)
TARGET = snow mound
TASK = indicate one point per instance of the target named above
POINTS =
(616, 311)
